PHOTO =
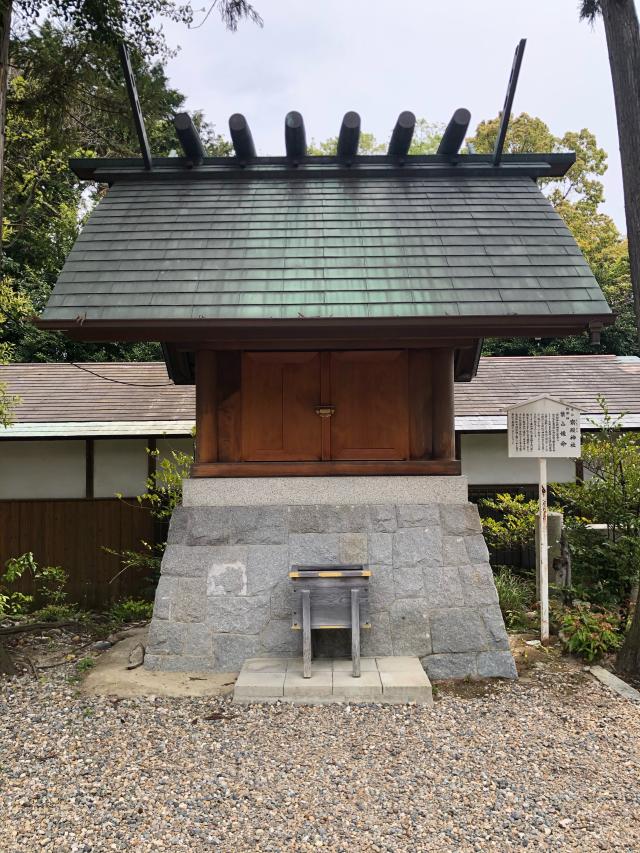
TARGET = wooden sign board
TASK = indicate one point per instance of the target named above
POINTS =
(543, 427)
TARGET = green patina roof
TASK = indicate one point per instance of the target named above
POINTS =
(340, 247)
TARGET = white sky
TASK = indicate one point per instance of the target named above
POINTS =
(380, 57)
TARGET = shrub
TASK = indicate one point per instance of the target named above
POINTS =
(49, 583)
(60, 613)
(590, 634)
(606, 563)
(511, 522)
(515, 595)
(603, 569)
(130, 610)
(146, 563)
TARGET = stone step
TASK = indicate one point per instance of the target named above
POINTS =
(384, 680)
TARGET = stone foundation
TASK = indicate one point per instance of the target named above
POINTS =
(224, 594)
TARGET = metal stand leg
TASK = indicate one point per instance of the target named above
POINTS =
(306, 633)
(355, 631)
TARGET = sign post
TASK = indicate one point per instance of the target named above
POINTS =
(544, 549)
(541, 428)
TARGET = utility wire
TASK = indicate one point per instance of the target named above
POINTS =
(121, 381)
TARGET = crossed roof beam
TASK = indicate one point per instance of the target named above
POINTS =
(295, 137)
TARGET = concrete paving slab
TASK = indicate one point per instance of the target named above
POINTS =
(407, 686)
(399, 663)
(259, 685)
(265, 665)
(320, 684)
(367, 688)
(346, 665)
(616, 684)
(323, 664)
(403, 680)
(110, 676)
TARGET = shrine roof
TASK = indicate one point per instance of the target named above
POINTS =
(428, 241)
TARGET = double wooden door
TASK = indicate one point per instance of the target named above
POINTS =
(311, 406)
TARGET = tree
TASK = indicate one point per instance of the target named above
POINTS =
(67, 98)
(622, 31)
(14, 303)
(576, 197)
(610, 495)
(425, 140)
(105, 23)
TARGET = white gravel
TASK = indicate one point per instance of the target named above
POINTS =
(549, 764)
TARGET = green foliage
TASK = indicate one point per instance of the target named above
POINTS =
(60, 613)
(48, 582)
(368, 145)
(590, 634)
(162, 495)
(136, 22)
(576, 197)
(426, 137)
(605, 563)
(164, 487)
(12, 304)
(130, 610)
(510, 521)
(425, 140)
(85, 664)
(516, 596)
(66, 99)
(530, 134)
(145, 563)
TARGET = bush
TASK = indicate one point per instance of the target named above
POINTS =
(49, 583)
(130, 610)
(510, 521)
(603, 569)
(515, 595)
(60, 613)
(590, 634)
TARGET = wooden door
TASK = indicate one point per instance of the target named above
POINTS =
(280, 392)
(369, 391)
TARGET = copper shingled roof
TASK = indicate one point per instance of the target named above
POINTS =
(54, 393)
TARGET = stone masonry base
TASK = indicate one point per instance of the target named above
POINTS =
(224, 594)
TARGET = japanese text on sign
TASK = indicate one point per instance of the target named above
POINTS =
(544, 427)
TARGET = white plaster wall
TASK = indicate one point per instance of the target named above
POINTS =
(119, 466)
(42, 469)
(166, 445)
(485, 462)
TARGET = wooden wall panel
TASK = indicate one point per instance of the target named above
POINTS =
(280, 392)
(442, 378)
(420, 406)
(206, 398)
(370, 393)
(70, 533)
(229, 406)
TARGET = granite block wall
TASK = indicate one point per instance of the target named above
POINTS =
(224, 594)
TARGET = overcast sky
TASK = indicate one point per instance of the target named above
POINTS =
(380, 57)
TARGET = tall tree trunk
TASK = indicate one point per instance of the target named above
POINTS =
(623, 43)
(5, 31)
(629, 655)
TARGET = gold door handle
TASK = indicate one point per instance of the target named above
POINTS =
(325, 411)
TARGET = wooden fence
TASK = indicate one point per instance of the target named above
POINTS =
(71, 533)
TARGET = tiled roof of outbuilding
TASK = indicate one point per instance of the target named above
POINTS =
(142, 400)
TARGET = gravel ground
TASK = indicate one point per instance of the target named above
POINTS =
(549, 763)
